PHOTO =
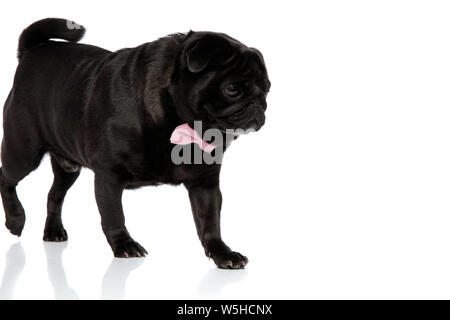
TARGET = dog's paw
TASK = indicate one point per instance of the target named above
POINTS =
(15, 224)
(230, 260)
(55, 234)
(129, 249)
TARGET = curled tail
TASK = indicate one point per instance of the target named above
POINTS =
(46, 29)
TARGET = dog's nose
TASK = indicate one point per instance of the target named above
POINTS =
(259, 103)
(259, 117)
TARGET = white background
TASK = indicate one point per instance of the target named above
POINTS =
(345, 193)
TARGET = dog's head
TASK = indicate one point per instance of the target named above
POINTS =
(221, 82)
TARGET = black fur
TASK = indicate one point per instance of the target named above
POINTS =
(46, 29)
(114, 112)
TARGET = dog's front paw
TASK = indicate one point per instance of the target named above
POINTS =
(230, 260)
(129, 249)
(223, 257)
(55, 234)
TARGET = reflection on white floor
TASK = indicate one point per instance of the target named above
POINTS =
(55, 270)
(113, 285)
(15, 262)
(215, 280)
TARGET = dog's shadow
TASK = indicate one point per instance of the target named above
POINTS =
(113, 285)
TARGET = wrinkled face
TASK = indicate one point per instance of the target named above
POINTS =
(224, 82)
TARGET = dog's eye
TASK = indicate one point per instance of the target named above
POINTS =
(232, 90)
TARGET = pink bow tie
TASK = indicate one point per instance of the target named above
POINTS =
(183, 134)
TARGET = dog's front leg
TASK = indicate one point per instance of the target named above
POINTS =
(206, 202)
(108, 193)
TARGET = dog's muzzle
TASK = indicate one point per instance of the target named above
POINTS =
(254, 116)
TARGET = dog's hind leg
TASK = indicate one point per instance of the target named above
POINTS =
(14, 213)
(64, 177)
(17, 162)
(21, 153)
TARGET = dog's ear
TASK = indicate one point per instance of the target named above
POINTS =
(205, 50)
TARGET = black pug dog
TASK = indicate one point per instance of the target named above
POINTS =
(114, 112)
